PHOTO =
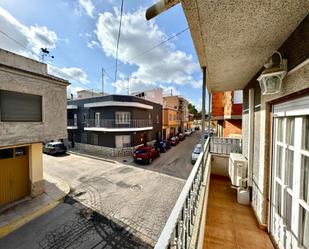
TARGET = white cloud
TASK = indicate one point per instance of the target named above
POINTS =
(93, 44)
(73, 74)
(72, 90)
(163, 64)
(169, 90)
(86, 6)
(33, 38)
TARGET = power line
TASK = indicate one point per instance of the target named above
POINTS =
(118, 39)
(20, 44)
(159, 44)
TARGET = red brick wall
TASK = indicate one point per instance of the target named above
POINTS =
(231, 127)
(217, 104)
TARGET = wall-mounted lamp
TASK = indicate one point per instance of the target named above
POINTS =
(271, 78)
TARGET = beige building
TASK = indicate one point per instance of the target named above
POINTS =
(32, 111)
(180, 104)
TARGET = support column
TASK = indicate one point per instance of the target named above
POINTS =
(36, 169)
(203, 104)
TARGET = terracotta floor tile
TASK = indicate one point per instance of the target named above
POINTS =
(230, 225)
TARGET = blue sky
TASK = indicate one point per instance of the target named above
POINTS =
(81, 35)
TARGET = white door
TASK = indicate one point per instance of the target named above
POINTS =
(123, 141)
(97, 119)
(290, 174)
(75, 119)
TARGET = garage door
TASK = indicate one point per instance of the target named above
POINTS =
(14, 174)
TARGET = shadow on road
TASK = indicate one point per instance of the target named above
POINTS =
(89, 230)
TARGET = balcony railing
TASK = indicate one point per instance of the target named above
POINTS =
(223, 145)
(72, 123)
(184, 219)
(113, 123)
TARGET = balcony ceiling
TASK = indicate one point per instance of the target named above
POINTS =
(234, 39)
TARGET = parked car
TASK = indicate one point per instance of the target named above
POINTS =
(187, 132)
(181, 136)
(195, 153)
(162, 145)
(53, 148)
(145, 154)
(192, 130)
(197, 128)
(174, 141)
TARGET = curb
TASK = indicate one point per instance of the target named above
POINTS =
(17, 223)
(21, 220)
(93, 157)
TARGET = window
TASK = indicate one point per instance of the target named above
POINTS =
(95, 139)
(123, 141)
(20, 107)
(238, 99)
(123, 117)
(75, 119)
(97, 119)
(290, 180)
(6, 153)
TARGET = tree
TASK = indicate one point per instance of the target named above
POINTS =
(193, 110)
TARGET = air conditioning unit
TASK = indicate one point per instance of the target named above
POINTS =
(238, 170)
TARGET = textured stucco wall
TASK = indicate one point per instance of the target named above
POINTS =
(36, 169)
(295, 84)
(54, 125)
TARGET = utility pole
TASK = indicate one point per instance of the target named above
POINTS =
(128, 85)
(102, 81)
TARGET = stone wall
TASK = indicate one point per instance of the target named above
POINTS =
(106, 151)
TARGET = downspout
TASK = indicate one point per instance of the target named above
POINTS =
(160, 7)
(203, 105)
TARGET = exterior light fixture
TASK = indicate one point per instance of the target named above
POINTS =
(271, 78)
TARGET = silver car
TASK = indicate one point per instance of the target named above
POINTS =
(195, 153)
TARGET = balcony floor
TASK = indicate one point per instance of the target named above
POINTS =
(230, 225)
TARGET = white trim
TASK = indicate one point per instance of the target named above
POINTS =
(299, 66)
(119, 103)
(117, 129)
(72, 107)
(71, 127)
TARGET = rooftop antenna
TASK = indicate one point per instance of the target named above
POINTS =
(102, 81)
(45, 52)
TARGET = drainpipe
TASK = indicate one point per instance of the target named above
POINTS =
(209, 117)
(203, 105)
(160, 7)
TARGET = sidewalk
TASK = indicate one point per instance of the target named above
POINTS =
(122, 159)
(30, 208)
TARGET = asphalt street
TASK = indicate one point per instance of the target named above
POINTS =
(111, 205)
(176, 161)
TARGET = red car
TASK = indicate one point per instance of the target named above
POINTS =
(145, 154)
(174, 141)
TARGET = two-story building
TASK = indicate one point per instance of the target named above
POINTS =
(113, 124)
(180, 104)
(32, 111)
(171, 122)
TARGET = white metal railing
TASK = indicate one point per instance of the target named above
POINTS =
(177, 232)
(114, 123)
(225, 145)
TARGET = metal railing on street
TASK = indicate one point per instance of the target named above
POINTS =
(223, 145)
(114, 123)
(72, 122)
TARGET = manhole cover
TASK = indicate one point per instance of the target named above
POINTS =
(136, 187)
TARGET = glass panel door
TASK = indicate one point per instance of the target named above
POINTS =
(290, 182)
(97, 119)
